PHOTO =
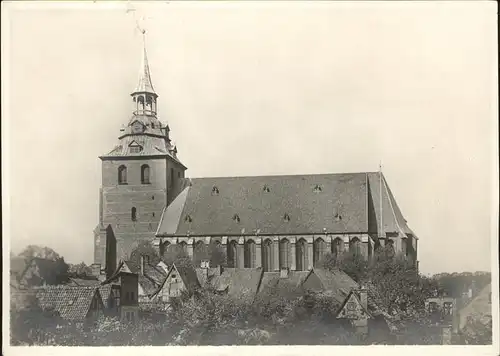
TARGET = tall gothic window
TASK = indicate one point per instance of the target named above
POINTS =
(319, 247)
(301, 255)
(145, 174)
(133, 214)
(199, 253)
(171, 177)
(337, 247)
(267, 253)
(249, 254)
(164, 249)
(183, 246)
(284, 253)
(232, 255)
(122, 175)
(355, 246)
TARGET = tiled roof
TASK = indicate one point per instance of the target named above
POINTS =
(105, 291)
(336, 283)
(238, 282)
(205, 274)
(72, 303)
(338, 203)
(152, 278)
(189, 277)
(273, 279)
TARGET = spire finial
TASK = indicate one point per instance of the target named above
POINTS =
(145, 84)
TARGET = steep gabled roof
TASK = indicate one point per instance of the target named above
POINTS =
(273, 280)
(238, 282)
(336, 203)
(187, 275)
(72, 303)
(261, 202)
(336, 283)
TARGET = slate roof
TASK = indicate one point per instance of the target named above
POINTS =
(313, 203)
(238, 282)
(72, 303)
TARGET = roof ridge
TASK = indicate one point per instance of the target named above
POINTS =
(283, 175)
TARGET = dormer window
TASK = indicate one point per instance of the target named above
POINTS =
(236, 218)
(286, 217)
(266, 189)
(135, 147)
(317, 188)
(215, 190)
(188, 218)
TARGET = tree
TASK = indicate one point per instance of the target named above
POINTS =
(145, 248)
(176, 254)
(39, 251)
(355, 266)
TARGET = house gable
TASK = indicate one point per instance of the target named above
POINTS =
(352, 308)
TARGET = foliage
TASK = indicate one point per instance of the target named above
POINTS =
(176, 254)
(80, 270)
(456, 284)
(145, 248)
(39, 251)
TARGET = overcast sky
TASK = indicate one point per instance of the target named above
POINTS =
(258, 89)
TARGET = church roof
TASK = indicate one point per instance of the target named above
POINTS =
(281, 205)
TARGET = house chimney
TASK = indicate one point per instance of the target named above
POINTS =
(284, 272)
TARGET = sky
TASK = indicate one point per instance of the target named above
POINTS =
(258, 89)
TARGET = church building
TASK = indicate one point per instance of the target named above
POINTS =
(272, 222)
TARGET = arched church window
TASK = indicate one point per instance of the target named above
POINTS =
(284, 253)
(171, 177)
(200, 253)
(301, 255)
(133, 214)
(232, 254)
(122, 175)
(355, 246)
(319, 247)
(337, 247)
(145, 174)
(267, 261)
(249, 254)
(183, 246)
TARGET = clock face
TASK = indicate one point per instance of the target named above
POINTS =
(137, 127)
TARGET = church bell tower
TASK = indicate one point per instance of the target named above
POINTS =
(140, 175)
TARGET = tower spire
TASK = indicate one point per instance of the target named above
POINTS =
(145, 85)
